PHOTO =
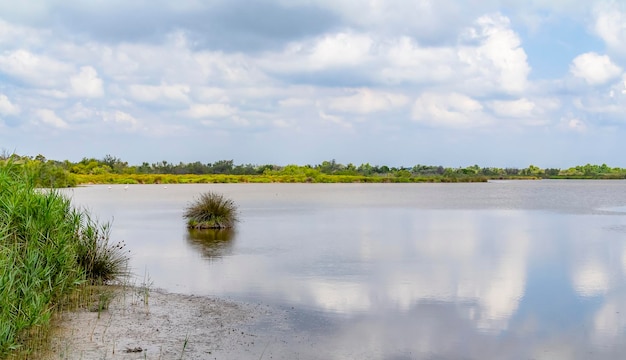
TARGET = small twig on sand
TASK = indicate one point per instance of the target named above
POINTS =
(263, 353)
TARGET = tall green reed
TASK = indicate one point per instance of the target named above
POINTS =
(47, 249)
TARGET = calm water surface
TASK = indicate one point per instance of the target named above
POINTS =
(515, 270)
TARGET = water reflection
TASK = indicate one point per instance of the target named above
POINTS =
(484, 271)
(211, 243)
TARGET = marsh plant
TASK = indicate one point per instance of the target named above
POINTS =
(102, 260)
(211, 211)
(143, 290)
(48, 249)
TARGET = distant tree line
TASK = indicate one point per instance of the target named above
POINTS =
(61, 173)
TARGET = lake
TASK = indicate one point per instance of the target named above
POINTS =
(504, 269)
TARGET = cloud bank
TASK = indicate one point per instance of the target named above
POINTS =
(396, 82)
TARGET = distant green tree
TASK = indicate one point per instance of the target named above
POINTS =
(532, 170)
(552, 171)
(329, 167)
(365, 169)
(144, 168)
(222, 167)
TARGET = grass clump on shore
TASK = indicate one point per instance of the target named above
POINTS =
(47, 250)
(100, 260)
(211, 211)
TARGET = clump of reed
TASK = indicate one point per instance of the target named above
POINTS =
(101, 260)
(47, 250)
(211, 211)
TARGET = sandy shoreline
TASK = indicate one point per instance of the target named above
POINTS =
(171, 326)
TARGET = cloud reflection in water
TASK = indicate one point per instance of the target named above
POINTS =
(443, 281)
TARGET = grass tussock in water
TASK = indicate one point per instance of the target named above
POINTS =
(211, 211)
(47, 250)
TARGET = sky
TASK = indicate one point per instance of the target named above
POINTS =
(504, 83)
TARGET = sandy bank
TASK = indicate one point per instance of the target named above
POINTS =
(173, 326)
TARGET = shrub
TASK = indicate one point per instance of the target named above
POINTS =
(211, 211)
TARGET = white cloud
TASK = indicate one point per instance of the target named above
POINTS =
(198, 111)
(573, 124)
(341, 49)
(365, 101)
(333, 50)
(438, 20)
(610, 25)
(610, 102)
(148, 93)
(241, 122)
(595, 69)
(334, 119)
(210, 94)
(121, 120)
(7, 107)
(79, 112)
(118, 63)
(282, 123)
(487, 58)
(52, 94)
(206, 67)
(524, 111)
(12, 35)
(49, 117)
(498, 60)
(408, 61)
(175, 63)
(294, 102)
(87, 83)
(452, 110)
(38, 70)
(520, 108)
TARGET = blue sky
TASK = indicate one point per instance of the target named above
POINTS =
(396, 82)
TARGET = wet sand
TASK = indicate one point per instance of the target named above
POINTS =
(175, 326)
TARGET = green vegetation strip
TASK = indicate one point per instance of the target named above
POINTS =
(267, 178)
(48, 249)
(111, 170)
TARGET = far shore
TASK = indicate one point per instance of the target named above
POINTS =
(164, 179)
